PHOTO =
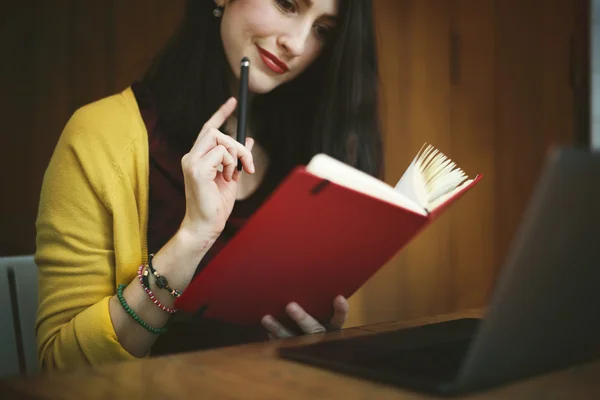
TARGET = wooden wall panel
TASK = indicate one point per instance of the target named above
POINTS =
(34, 99)
(533, 102)
(89, 52)
(61, 55)
(581, 72)
(141, 28)
(423, 270)
(473, 132)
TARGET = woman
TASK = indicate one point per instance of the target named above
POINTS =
(151, 170)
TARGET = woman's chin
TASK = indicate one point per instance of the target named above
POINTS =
(263, 85)
(261, 89)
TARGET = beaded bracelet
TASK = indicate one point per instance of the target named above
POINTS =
(133, 315)
(143, 278)
(161, 281)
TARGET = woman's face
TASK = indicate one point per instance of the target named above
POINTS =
(280, 37)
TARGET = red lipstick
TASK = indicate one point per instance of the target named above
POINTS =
(272, 62)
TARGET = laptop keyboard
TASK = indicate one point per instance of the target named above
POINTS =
(440, 361)
(431, 352)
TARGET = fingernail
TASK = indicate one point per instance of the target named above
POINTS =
(293, 307)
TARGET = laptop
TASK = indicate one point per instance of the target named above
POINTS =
(544, 314)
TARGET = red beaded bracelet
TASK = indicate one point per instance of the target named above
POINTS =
(140, 274)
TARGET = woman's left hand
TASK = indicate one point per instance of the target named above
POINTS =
(306, 322)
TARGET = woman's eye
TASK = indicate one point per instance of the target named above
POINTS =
(286, 5)
(322, 31)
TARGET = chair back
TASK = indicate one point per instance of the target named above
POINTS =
(19, 292)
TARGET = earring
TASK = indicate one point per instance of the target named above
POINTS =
(218, 11)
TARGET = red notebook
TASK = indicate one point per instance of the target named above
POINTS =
(323, 232)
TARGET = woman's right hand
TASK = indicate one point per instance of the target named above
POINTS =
(210, 194)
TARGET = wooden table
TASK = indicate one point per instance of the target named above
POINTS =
(254, 371)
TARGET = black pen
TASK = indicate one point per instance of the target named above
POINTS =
(243, 104)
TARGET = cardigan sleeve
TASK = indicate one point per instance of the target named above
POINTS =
(75, 254)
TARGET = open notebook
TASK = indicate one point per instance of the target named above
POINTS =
(324, 231)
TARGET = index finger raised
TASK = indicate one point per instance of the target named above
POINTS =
(221, 115)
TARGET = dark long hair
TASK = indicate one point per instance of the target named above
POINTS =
(331, 108)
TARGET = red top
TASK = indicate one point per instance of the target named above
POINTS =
(166, 211)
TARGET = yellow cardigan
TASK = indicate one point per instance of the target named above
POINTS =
(91, 231)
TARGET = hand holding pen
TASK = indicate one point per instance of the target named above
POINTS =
(210, 193)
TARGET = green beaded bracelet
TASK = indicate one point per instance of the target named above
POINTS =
(133, 315)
